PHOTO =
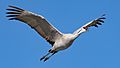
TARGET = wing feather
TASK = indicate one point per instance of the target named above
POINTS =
(95, 23)
(37, 22)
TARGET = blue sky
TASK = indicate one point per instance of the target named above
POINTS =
(22, 47)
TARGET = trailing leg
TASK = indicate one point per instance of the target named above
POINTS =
(46, 58)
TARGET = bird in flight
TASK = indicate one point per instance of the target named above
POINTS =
(58, 40)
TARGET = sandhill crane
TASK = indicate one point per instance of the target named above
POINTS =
(57, 39)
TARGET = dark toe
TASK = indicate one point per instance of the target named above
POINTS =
(42, 58)
(46, 59)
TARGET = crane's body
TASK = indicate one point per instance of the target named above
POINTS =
(57, 39)
(64, 42)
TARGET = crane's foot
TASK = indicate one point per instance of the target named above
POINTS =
(47, 56)
(42, 58)
(45, 59)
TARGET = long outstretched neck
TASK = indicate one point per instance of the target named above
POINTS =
(79, 31)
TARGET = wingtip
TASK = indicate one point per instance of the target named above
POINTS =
(11, 15)
(12, 19)
(96, 26)
(99, 23)
(11, 6)
(104, 15)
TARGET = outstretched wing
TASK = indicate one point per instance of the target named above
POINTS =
(37, 22)
(95, 23)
